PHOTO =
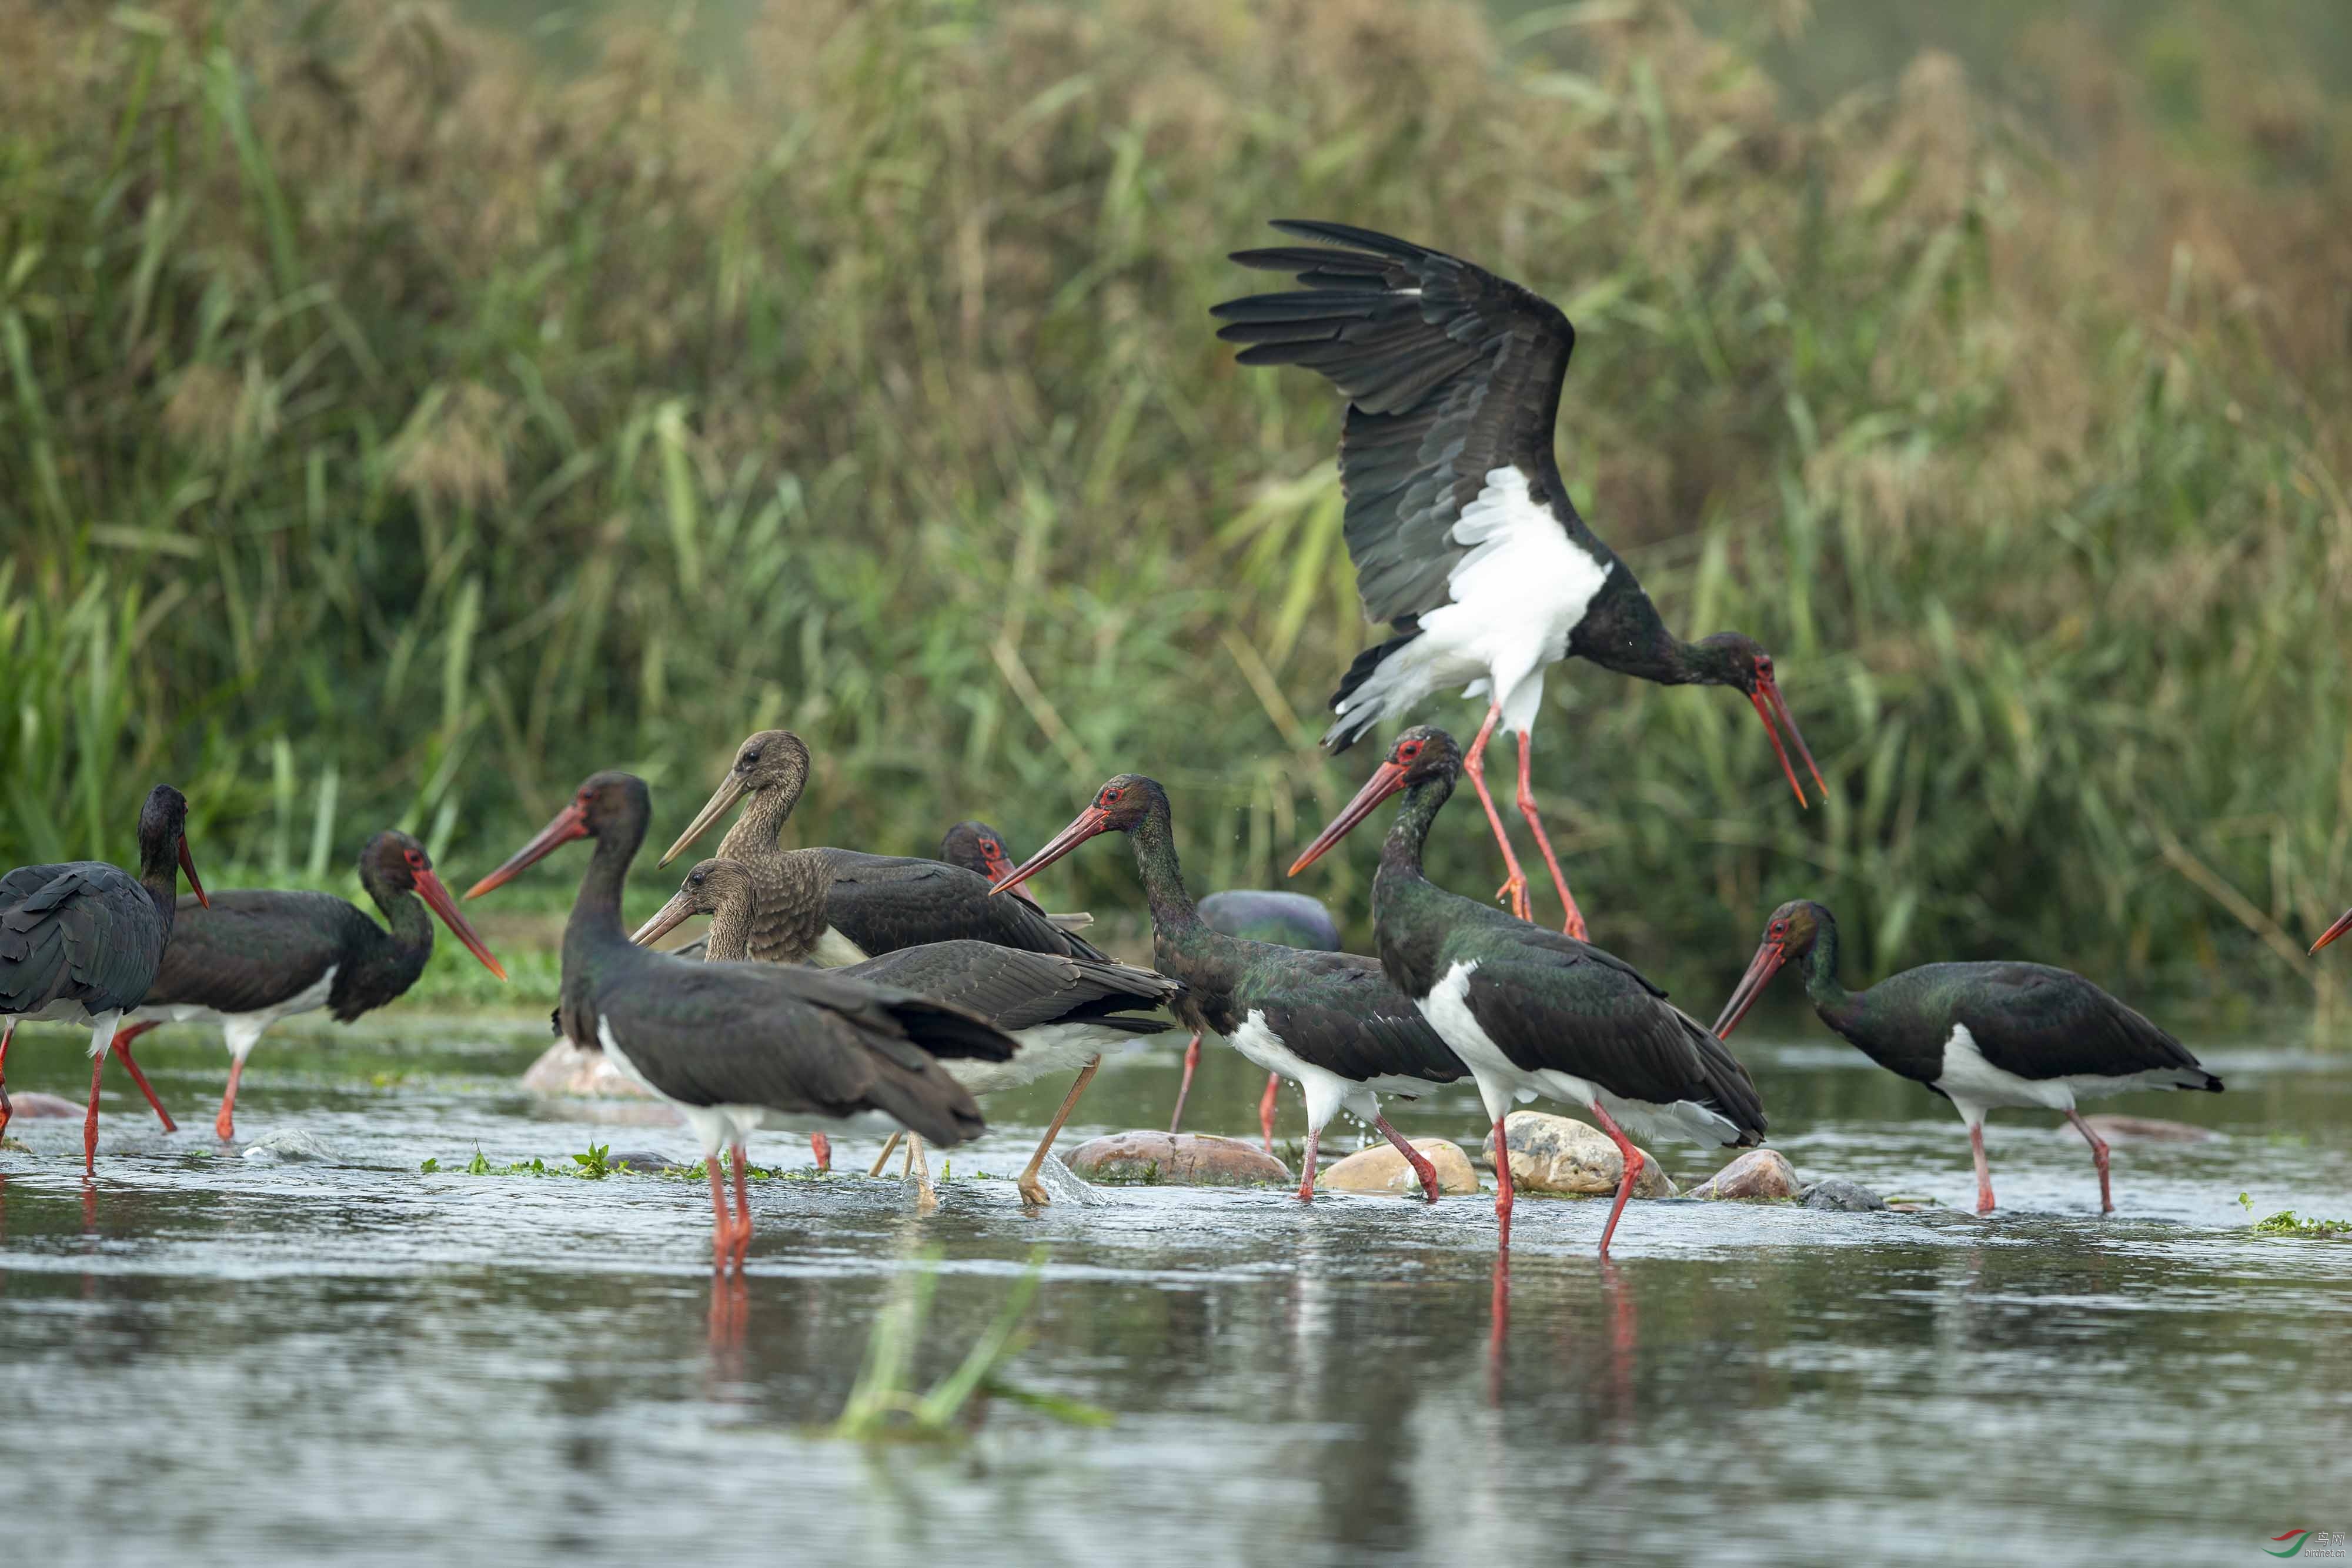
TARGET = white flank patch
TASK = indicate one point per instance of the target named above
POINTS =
(102, 1031)
(1977, 1086)
(834, 951)
(1517, 596)
(1326, 1092)
(240, 1031)
(1044, 1050)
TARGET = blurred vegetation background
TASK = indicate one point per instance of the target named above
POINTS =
(406, 411)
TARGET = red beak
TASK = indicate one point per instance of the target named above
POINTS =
(1767, 698)
(188, 869)
(1760, 970)
(1385, 781)
(569, 823)
(997, 868)
(1086, 825)
(2333, 932)
(436, 898)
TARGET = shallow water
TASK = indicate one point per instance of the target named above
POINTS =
(226, 1359)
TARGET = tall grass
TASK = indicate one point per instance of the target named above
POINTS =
(393, 433)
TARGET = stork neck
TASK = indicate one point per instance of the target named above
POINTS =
(759, 832)
(411, 926)
(1400, 851)
(159, 874)
(729, 940)
(1624, 632)
(597, 910)
(1154, 839)
(1831, 1000)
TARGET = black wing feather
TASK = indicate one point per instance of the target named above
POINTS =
(1450, 372)
(884, 902)
(83, 931)
(254, 948)
(1014, 990)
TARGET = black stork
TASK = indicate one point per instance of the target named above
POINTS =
(1532, 1012)
(736, 1046)
(1984, 1036)
(80, 942)
(1330, 1023)
(867, 904)
(1457, 520)
(256, 955)
(980, 849)
(1065, 1013)
(1285, 919)
(2333, 932)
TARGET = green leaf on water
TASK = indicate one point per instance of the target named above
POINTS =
(430, 1166)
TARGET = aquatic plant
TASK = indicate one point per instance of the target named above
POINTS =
(2285, 1223)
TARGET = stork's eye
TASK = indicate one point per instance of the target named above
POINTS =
(1409, 750)
(1108, 796)
(416, 859)
(750, 759)
(991, 847)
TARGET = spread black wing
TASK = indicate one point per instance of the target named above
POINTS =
(1450, 373)
(83, 932)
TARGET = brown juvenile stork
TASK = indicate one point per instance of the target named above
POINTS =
(837, 907)
(254, 956)
(1065, 1013)
(736, 1046)
(80, 942)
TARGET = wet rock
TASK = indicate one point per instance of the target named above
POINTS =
(34, 1105)
(2154, 1129)
(1560, 1153)
(291, 1145)
(1849, 1197)
(1757, 1173)
(1175, 1159)
(567, 1069)
(1381, 1169)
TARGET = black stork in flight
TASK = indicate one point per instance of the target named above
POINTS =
(1257, 914)
(980, 849)
(81, 942)
(1064, 1012)
(1984, 1036)
(257, 955)
(1330, 1023)
(736, 1046)
(868, 904)
(1457, 520)
(1532, 1012)
(2333, 932)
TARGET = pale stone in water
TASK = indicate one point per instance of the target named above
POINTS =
(1381, 1169)
(1757, 1173)
(1177, 1159)
(33, 1106)
(1560, 1153)
(566, 1069)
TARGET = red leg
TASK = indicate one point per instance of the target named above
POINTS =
(8, 1033)
(1192, 1062)
(1307, 1181)
(1265, 1109)
(1575, 923)
(820, 1148)
(225, 1124)
(722, 1226)
(121, 1048)
(89, 1122)
(1624, 1183)
(1515, 890)
(1503, 1184)
(2098, 1157)
(743, 1212)
(1984, 1171)
(1412, 1156)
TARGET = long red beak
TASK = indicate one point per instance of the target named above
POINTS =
(1767, 698)
(1086, 825)
(188, 870)
(2333, 932)
(569, 823)
(667, 919)
(1385, 781)
(997, 867)
(1760, 970)
(436, 898)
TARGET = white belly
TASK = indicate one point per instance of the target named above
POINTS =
(1043, 1052)
(1326, 1092)
(1977, 1086)
(240, 1031)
